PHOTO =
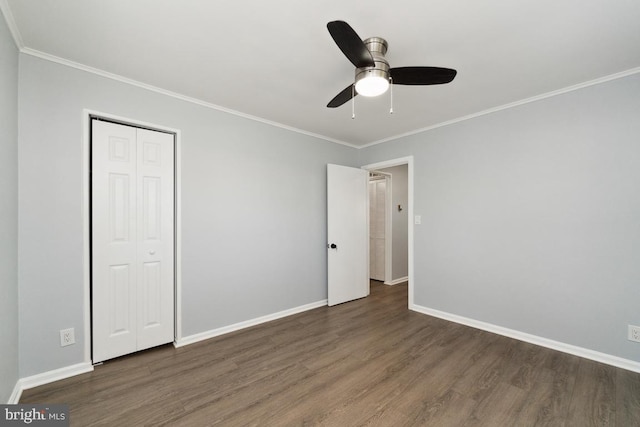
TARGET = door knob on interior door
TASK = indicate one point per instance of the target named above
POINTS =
(332, 246)
(152, 252)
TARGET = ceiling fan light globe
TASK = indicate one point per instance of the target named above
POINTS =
(372, 86)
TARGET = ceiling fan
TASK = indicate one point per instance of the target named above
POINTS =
(373, 74)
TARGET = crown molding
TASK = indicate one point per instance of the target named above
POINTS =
(126, 80)
(6, 10)
(11, 23)
(511, 105)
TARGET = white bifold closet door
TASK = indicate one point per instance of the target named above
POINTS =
(377, 213)
(132, 197)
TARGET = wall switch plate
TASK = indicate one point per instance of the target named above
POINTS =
(67, 337)
(634, 333)
(417, 220)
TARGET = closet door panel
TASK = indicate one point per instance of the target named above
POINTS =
(132, 239)
(113, 240)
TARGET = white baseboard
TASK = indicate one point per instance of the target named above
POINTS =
(49, 377)
(608, 359)
(247, 323)
(81, 368)
(55, 375)
(397, 281)
(15, 395)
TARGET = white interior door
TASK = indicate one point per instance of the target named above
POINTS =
(132, 239)
(347, 233)
(377, 225)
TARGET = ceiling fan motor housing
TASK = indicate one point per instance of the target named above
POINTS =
(378, 48)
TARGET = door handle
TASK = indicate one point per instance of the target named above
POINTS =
(152, 252)
(332, 246)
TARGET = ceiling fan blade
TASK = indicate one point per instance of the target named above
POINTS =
(344, 96)
(350, 44)
(422, 75)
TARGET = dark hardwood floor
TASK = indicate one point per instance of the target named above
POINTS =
(367, 362)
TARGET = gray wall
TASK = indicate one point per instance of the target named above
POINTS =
(399, 224)
(8, 213)
(253, 209)
(531, 216)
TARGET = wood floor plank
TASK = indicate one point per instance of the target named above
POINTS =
(544, 406)
(434, 374)
(527, 365)
(307, 400)
(485, 368)
(447, 409)
(550, 395)
(499, 407)
(234, 406)
(627, 398)
(369, 362)
(594, 393)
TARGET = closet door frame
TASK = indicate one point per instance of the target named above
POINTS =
(87, 116)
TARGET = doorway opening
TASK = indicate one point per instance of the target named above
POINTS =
(397, 250)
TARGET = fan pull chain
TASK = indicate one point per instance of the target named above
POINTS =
(353, 102)
(391, 93)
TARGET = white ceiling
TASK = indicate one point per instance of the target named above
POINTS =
(276, 61)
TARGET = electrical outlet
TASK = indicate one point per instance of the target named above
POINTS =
(67, 337)
(634, 333)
